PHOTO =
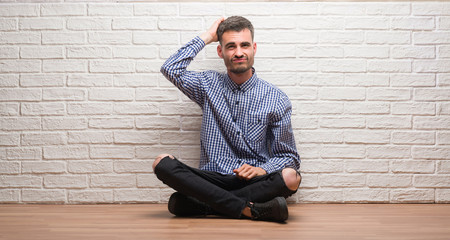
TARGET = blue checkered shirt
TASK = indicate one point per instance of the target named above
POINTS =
(241, 124)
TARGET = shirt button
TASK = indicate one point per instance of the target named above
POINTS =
(237, 102)
(238, 133)
(234, 119)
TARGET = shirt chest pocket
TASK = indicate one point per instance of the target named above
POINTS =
(256, 128)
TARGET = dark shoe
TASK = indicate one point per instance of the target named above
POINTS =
(274, 210)
(184, 206)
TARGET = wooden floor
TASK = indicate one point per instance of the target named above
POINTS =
(152, 221)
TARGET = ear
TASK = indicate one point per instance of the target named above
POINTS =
(254, 48)
(219, 51)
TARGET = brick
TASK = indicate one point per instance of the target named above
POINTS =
(388, 8)
(89, 108)
(111, 94)
(64, 66)
(9, 195)
(136, 137)
(443, 51)
(412, 196)
(342, 181)
(358, 166)
(432, 181)
(156, 122)
(91, 167)
(20, 66)
(329, 151)
(135, 52)
(278, 23)
(364, 136)
(442, 196)
(156, 95)
(7, 24)
(345, 9)
(63, 38)
(443, 23)
(347, 37)
(413, 137)
(388, 152)
(113, 181)
(184, 138)
(9, 168)
(110, 38)
(277, 51)
(262, 8)
(386, 37)
(443, 138)
(43, 167)
(90, 196)
(149, 180)
(389, 181)
(109, 9)
(155, 38)
(389, 122)
(412, 166)
(366, 108)
(366, 195)
(296, 93)
(21, 181)
(19, 10)
(317, 51)
(412, 23)
(9, 109)
(443, 108)
(111, 122)
(65, 181)
(40, 109)
(24, 153)
(432, 8)
(41, 24)
(134, 23)
(322, 166)
(9, 139)
(43, 196)
(41, 52)
(431, 94)
(321, 195)
(64, 94)
(89, 24)
(320, 108)
(443, 167)
(112, 66)
(90, 137)
(155, 9)
(397, 66)
(348, 94)
(43, 138)
(366, 52)
(321, 23)
(113, 152)
(90, 80)
(202, 9)
(63, 9)
(148, 195)
(64, 123)
(151, 152)
(20, 38)
(304, 122)
(439, 122)
(89, 52)
(9, 80)
(136, 108)
(413, 80)
(431, 38)
(297, 8)
(388, 94)
(431, 66)
(342, 122)
(9, 53)
(66, 152)
(413, 108)
(180, 23)
(418, 52)
(431, 152)
(344, 66)
(369, 23)
(18, 94)
(321, 137)
(42, 80)
(21, 123)
(133, 166)
(191, 123)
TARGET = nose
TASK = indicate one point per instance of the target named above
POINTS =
(238, 52)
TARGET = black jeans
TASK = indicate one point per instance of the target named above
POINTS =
(226, 194)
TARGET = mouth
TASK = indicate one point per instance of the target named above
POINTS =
(239, 60)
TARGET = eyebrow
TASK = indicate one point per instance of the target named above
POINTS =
(233, 43)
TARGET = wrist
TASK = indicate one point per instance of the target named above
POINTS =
(206, 38)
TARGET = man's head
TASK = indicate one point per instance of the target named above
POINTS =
(234, 23)
(236, 45)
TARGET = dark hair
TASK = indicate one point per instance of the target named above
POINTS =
(234, 23)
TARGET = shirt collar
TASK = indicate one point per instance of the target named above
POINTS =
(247, 85)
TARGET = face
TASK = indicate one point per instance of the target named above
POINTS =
(237, 50)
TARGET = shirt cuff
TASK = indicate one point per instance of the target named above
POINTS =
(197, 44)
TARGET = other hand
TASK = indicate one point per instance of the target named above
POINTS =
(247, 172)
(211, 35)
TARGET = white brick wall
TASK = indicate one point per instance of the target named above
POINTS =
(84, 109)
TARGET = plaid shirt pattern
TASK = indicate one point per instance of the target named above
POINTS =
(241, 124)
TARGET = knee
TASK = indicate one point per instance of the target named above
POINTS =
(291, 178)
(158, 159)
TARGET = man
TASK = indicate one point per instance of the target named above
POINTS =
(249, 161)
